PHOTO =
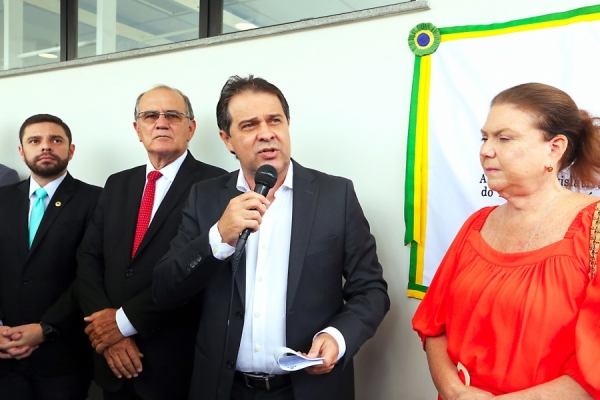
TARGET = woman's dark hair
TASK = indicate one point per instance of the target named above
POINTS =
(555, 113)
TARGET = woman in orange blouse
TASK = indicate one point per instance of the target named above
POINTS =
(515, 303)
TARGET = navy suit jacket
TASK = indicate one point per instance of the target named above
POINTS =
(36, 283)
(330, 240)
(109, 278)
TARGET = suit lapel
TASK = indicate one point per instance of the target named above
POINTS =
(305, 195)
(180, 186)
(21, 218)
(57, 203)
(229, 193)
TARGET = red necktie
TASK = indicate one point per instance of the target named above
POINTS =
(145, 210)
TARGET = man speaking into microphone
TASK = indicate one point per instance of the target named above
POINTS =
(308, 232)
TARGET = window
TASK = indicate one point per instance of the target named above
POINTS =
(35, 32)
(108, 26)
(241, 15)
(29, 32)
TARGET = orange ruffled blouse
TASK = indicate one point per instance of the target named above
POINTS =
(517, 320)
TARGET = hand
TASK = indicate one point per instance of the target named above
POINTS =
(243, 211)
(30, 335)
(103, 330)
(18, 353)
(6, 340)
(472, 393)
(123, 358)
(327, 347)
(3, 339)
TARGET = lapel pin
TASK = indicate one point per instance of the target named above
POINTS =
(58, 204)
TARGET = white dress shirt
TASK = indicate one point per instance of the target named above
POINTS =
(50, 189)
(162, 187)
(267, 259)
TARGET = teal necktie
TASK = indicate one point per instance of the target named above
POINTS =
(37, 212)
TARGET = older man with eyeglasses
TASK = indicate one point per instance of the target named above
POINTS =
(143, 352)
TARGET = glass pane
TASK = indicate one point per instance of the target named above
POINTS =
(239, 15)
(108, 26)
(29, 33)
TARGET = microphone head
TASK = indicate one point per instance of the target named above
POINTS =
(266, 175)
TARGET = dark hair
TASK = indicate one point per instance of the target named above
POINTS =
(555, 113)
(236, 85)
(188, 105)
(39, 118)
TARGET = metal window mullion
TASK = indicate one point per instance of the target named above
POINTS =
(215, 17)
(68, 29)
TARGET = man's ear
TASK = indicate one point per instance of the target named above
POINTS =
(137, 130)
(191, 129)
(227, 140)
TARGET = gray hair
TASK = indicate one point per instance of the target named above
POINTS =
(188, 105)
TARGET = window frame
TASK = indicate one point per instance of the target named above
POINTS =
(210, 27)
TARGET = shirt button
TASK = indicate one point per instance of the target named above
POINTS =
(264, 247)
(215, 249)
(224, 256)
(260, 278)
(257, 314)
(257, 348)
(129, 272)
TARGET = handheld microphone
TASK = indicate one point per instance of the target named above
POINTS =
(264, 180)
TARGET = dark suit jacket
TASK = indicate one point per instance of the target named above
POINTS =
(330, 240)
(8, 175)
(36, 283)
(109, 278)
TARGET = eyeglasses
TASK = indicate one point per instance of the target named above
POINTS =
(173, 117)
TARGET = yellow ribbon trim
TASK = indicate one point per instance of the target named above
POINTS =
(421, 163)
(521, 28)
(415, 293)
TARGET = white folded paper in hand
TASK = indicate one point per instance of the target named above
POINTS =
(290, 360)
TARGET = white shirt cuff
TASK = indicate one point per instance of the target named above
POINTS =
(339, 338)
(1, 324)
(124, 325)
(220, 250)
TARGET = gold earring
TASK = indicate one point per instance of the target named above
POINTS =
(549, 169)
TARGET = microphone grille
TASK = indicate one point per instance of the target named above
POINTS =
(266, 175)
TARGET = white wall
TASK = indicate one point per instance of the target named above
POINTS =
(349, 89)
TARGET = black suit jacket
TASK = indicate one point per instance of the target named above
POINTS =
(109, 278)
(330, 240)
(36, 283)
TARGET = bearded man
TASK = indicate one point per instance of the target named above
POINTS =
(44, 351)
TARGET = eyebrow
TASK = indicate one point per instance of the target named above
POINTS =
(38, 137)
(152, 111)
(499, 131)
(252, 119)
